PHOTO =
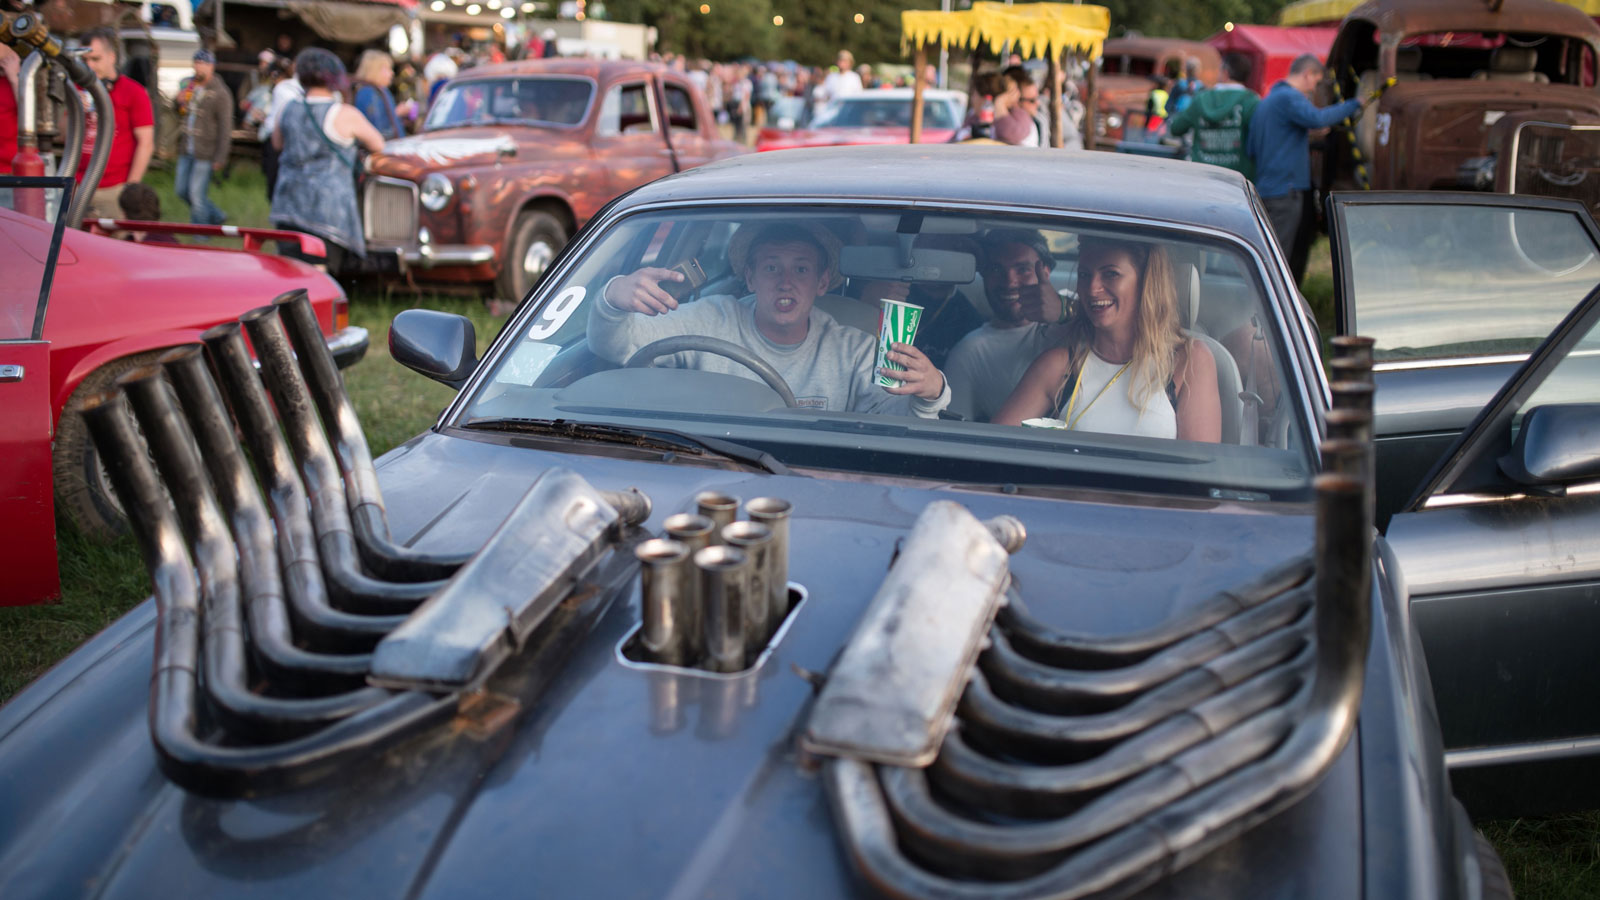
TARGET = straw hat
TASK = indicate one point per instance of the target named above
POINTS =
(739, 245)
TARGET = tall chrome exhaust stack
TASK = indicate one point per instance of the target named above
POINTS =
(694, 533)
(724, 576)
(664, 571)
(755, 539)
(774, 513)
(720, 508)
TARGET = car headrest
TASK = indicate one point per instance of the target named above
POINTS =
(1513, 59)
(1187, 279)
(1408, 59)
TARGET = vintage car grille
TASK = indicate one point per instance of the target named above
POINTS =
(1083, 765)
(1554, 160)
(389, 210)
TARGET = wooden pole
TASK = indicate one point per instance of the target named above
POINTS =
(1053, 83)
(919, 61)
(1090, 101)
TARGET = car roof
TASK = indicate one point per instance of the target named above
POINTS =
(901, 93)
(588, 68)
(1058, 180)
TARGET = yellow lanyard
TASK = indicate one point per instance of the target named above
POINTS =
(1073, 400)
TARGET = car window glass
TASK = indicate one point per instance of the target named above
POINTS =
(572, 355)
(875, 113)
(28, 229)
(626, 109)
(545, 101)
(1574, 379)
(1431, 281)
(680, 109)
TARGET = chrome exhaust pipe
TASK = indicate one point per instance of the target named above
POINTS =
(336, 542)
(694, 533)
(755, 539)
(286, 495)
(664, 568)
(174, 721)
(724, 576)
(268, 615)
(1008, 532)
(775, 513)
(720, 508)
(213, 551)
(633, 505)
(368, 517)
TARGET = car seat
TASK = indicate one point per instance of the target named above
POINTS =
(1229, 384)
(1510, 63)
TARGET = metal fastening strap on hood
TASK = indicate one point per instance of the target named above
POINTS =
(558, 529)
(891, 696)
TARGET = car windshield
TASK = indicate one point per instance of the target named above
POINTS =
(1127, 64)
(874, 112)
(534, 101)
(763, 326)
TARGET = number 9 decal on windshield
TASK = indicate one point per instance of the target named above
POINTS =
(556, 313)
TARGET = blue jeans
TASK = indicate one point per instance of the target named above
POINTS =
(193, 184)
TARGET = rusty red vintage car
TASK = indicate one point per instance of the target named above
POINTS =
(514, 158)
(1126, 69)
(1491, 96)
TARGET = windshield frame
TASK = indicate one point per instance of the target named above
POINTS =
(1302, 378)
(588, 107)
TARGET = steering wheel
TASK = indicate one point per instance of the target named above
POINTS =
(646, 356)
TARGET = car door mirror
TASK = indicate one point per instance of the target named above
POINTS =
(439, 345)
(1559, 443)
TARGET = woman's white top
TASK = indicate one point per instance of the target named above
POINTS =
(1114, 412)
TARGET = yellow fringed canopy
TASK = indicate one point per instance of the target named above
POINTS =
(1033, 29)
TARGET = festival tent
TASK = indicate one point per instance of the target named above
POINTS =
(1267, 50)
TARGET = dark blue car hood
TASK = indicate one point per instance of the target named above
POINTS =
(602, 787)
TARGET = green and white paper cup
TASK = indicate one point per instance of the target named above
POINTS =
(897, 324)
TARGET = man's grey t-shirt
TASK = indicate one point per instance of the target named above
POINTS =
(831, 369)
(985, 367)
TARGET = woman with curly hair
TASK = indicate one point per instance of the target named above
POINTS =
(1124, 366)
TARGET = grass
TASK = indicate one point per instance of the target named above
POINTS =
(1551, 858)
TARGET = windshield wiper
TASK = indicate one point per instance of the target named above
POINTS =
(650, 438)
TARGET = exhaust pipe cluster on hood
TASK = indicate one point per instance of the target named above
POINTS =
(275, 577)
(715, 590)
(1081, 765)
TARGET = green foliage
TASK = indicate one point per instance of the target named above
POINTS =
(732, 29)
(1194, 19)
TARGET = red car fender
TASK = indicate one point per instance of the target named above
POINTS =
(99, 356)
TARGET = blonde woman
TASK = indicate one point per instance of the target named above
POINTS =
(1124, 366)
(374, 75)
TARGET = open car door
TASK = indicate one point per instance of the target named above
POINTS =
(30, 238)
(1500, 552)
(1456, 289)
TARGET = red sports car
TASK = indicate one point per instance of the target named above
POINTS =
(873, 117)
(78, 309)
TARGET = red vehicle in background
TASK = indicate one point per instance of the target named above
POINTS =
(873, 117)
(1127, 69)
(79, 309)
(1261, 54)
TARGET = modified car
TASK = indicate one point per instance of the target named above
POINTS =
(647, 592)
(513, 159)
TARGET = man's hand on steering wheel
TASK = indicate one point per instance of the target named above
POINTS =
(920, 377)
(641, 291)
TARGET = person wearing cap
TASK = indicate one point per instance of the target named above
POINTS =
(205, 109)
(786, 268)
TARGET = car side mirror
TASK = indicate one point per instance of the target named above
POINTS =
(440, 345)
(1559, 443)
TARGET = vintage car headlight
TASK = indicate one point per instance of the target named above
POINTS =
(1113, 121)
(436, 192)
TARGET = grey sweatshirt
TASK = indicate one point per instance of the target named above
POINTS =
(831, 369)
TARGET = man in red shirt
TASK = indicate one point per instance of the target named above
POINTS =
(133, 139)
(8, 107)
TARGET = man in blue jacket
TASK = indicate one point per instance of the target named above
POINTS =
(1279, 144)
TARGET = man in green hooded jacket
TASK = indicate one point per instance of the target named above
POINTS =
(1220, 119)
